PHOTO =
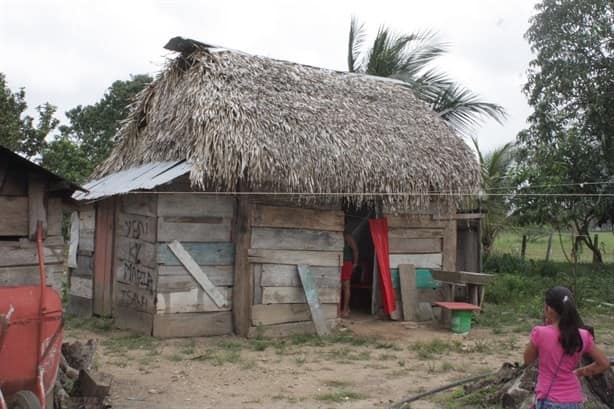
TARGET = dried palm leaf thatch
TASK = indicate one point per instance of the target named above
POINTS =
(285, 127)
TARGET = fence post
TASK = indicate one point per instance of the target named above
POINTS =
(549, 248)
(596, 243)
(523, 250)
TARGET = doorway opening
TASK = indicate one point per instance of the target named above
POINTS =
(362, 278)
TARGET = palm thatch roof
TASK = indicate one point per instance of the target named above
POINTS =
(279, 126)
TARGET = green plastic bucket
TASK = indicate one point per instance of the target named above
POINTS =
(461, 321)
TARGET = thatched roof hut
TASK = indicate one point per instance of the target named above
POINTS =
(175, 251)
(287, 127)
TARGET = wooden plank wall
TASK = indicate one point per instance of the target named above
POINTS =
(80, 292)
(18, 254)
(423, 240)
(203, 226)
(135, 278)
(281, 238)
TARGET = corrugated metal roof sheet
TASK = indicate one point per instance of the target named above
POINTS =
(142, 177)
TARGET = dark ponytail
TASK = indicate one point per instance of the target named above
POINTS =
(561, 300)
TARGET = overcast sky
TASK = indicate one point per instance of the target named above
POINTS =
(69, 52)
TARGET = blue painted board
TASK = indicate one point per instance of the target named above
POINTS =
(203, 253)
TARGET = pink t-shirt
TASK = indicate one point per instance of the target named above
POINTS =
(566, 387)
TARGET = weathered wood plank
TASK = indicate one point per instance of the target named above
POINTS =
(194, 300)
(186, 204)
(130, 297)
(257, 283)
(54, 216)
(36, 204)
(415, 233)
(409, 291)
(420, 221)
(81, 287)
(243, 291)
(16, 256)
(419, 260)
(138, 321)
(192, 324)
(28, 275)
(144, 204)
(286, 330)
(415, 246)
(177, 278)
(449, 246)
(315, 258)
(87, 216)
(286, 275)
(462, 277)
(135, 226)
(137, 251)
(85, 265)
(313, 299)
(86, 240)
(205, 231)
(295, 239)
(14, 218)
(270, 314)
(79, 306)
(136, 275)
(196, 273)
(74, 240)
(294, 217)
(202, 253)
(290, 295)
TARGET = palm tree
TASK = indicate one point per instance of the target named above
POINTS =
(408, 58)
(497, 185)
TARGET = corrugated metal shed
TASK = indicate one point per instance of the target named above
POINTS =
(144, 177)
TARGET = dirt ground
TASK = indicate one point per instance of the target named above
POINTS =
(368, 364)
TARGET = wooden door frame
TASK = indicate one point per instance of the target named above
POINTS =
(104, 257)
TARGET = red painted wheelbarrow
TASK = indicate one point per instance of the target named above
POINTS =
(30, 342)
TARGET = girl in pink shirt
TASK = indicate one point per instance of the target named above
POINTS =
(559, 345)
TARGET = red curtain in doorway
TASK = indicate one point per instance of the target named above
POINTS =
(379, 235)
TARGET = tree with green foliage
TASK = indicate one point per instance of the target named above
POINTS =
(91, 133)
(409, 58)
(497, 185)
(566, 155)
(17, 131)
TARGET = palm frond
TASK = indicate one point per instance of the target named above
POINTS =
(356, 40)
(463, 110)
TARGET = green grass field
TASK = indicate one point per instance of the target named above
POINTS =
(510, 242)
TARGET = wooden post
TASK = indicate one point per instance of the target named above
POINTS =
(242, 293)
(37, 210)
(449, 264)
(523, 250)
(549, 248)
(596, 245)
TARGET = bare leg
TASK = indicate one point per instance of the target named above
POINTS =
(345, 312)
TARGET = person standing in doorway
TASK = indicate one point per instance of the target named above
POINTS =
(350, 263)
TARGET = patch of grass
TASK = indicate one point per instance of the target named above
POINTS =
(289, 399)
(386, 345)
(348, 354)
(427, 350)
(258, 344)
(387, 357)
(339, 396)
(96, 324)
(219, 357)
(189, 347)
(248, 364)
(230, 345)
(300, 360)
(122, 363)
(124, 343)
